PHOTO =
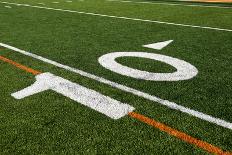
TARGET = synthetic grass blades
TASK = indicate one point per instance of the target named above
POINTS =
(73, 104)
(81, 94)
(167, 103)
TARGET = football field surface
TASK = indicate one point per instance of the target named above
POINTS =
(115, 77)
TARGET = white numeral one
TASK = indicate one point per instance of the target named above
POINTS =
(184, 71)
(90, 98)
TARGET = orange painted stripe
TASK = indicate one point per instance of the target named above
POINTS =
(27, 69)
(181, 135)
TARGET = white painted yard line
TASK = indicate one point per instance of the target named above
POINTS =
(121, 17)
(147, 96)
(8, 7)
(41, 3)
(88, 97)
(173, 4)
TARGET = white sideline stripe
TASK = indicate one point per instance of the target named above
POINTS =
(121, 17)
(167, 103)
(173, 4)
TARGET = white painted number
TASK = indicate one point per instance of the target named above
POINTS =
(184, 71)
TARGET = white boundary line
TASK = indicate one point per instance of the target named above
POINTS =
(147, 96)
(172, 4)
(121, 17)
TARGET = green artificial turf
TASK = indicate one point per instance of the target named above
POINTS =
(48, 123)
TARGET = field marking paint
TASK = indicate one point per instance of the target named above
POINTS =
(173, 4)
(178, 134)
(181, 135)
(9, 7)
(121, 17)
(41, 3)
(90, 98)
(27, 69)
(147, 96)
(159, 45)
(185, 70)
